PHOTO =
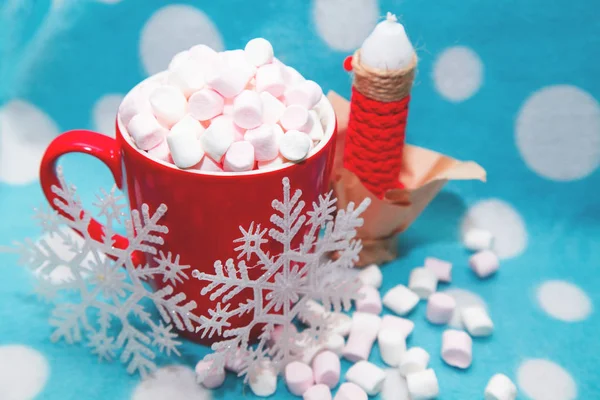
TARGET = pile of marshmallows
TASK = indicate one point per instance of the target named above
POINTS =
(352, 338)
(232, 111)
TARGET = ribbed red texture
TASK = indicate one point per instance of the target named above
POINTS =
(375, 141)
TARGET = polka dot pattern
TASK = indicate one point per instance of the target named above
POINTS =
(104, 113)
(564, 301)
(458, 73)
(173, 382)
(545, 380)
(464, 299)
(23, 372)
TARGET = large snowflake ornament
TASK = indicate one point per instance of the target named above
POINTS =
(105, 296)
(289, 284)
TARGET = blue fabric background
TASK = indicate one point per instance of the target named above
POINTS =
(63, 56)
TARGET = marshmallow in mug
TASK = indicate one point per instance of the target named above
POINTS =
(274, 114)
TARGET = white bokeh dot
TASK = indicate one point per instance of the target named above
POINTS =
(172, 29)
(104, 113)
(463, 298)
(394, 386)
(457, 73)
(541, 379)
(23, 372)
(25, 132)
(558, 133)
(345, 24)
(501, 219)
(172, 382)
(564, 301)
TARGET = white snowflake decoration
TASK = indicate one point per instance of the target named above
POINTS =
(289, 280)
(104, 295)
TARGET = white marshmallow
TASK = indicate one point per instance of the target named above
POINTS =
(247, 110)
(227, 79)
(135, 103)
(392, 346)
(264, 141)
(350, 391)
(205, 104)
(423, 385)
(291, 76)
(335, 343)
(457, 348)
(400, 299)
(161, 152)
(272, 108)
(387, 47)
(239, 157)
(401, 325)
(442, 269)
(204, 54)
(295, 146)
(296, 117)
(314, 309)
(371, 275)
(367, 323)
(208, 165)
(484, 263)
(362, 336)
(317, 392)
(414, 360)
(340, 323)
(274, 163)
(305, 93)
(366, 375)
(316, 132)
(477, 321)
(187, 77)
(500, 387)
(235, 363)
(145, 131)
(185, 147)
(169, 105)
(263, 380)
(326, 368)
(369, 300)
(210, 379)
(478, 239)
(178, 59)
(259, 51)
(440, 308)
(269, 78)
(218, 137)
(310, 352)
(298, 377)
(423, 282)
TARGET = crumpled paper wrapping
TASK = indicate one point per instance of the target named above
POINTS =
(424, 173)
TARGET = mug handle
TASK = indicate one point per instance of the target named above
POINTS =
(97, 145)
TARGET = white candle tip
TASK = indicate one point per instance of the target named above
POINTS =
(391, 17)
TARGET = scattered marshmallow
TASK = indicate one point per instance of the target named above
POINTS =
(272, 108)
(500, 387)
(341, 323)
(247, 110)
(335, 343)
(423, 282)
(423, 385)
(186, 149)
(440, 308)
(259, 51)
(365, 322)
(186, 77)
(296, 117)
(304, 93)
(314, 309)
(366, 375)
(392, 346)
(235, 364)
(310, 352)
(317, 392)
(205, 104)
(484, 263)
(145, 131)
(442, 269)
(239, 157)
(161, 152)
(414, 360)
(369, 300)
(269, 78)
(457, 348)
(477, 321)
(401, 325)
(371, 275)
(279, 331)
(295, 146)
(207, 377)
(362, 336)
(350, 391)
(316, 132)
(478, 239)
(263, 381)
(400, 299)
(298, 377)
(169, 105)
(264, 141)
(326, 368)
(218, 137)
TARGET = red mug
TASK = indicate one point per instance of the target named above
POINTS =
(205, 209)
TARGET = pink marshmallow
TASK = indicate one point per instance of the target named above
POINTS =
(239, 157)
(169, 105)
(398, 324)
(272, 108)
(370, 302)
(326, 368)
(350, 391)
(208, 165)
(235, 363)
(484, 263)
(305, 93)
(358, 346)
(205, 104)
(247, 110)
(275, 163)
(161, 152)
(457, 348)
(440, 308)
(269, 78)
(317, 392)
(210, 379)
(145, 131)
(264, 141)
(296, 117)
(227, 79)
(278, 332)
(298, 377)
(443, 269)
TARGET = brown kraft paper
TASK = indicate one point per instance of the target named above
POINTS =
(424, 173)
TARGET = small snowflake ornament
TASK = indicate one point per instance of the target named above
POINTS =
(105, 296)
(290, 282)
